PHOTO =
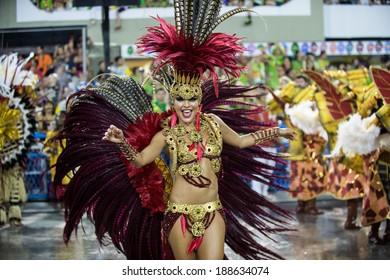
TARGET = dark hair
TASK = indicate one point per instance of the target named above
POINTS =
(385, 58)
(310, 54)
(44, 110)
(302, 77)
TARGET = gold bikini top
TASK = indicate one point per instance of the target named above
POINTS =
(184, 148)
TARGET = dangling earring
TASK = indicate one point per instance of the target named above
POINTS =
(173, 119)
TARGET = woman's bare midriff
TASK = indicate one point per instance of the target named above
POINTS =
(185, 193)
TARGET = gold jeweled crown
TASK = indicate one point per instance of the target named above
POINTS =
(186, 85)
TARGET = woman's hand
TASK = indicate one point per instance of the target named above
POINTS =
(287, 133)
(113, 134)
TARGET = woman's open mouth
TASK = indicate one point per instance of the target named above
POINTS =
(186, 113)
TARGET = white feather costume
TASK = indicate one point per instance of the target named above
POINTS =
(305, 116)
(357, 135)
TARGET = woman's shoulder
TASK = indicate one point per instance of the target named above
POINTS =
(213, 117)
(209, 115)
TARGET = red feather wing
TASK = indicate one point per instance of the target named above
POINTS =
(148, 181)
(382, 80)
(337, 108)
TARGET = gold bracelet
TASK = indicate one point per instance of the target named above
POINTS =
(261, 136)
(253, 136)
(127, 150)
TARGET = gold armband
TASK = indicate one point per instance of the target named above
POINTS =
(127, 150)
(261, 136)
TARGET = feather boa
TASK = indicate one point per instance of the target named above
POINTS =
(356, 136)
(305, 116)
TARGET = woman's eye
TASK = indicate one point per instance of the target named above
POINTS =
(193, 99)
(179, 98)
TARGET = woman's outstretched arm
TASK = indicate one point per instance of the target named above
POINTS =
(138, 159)
(244, 141)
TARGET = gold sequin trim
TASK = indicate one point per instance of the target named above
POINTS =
(215, 165)
(195, 212)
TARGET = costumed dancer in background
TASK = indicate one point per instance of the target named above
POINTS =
(345, 176)
(366, 128)
(307, 169)
(190, 210)
(382, 81)
(17, 125)
(308, 175)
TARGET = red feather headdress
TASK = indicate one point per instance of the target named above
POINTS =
(381, 78)
(191, 48)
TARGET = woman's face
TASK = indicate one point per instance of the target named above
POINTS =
(48, 108)
(287, 62)
(186, 109)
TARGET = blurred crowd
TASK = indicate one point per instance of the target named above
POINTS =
(252, 3)
(67, 5)
(61, 5)
(60, 73)
(66, 70)
(358, 2)
(276, 68)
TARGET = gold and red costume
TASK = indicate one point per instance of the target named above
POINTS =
(307, 168)
(345, 175)
(366, 127)
(376, 206)
(309, 176)
(131, 205)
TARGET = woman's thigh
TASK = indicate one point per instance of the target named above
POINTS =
(212, 247)
(179, 243)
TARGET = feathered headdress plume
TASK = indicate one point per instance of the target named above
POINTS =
(191, 48)
(17, 121)
(381, 79)
(337, 109)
